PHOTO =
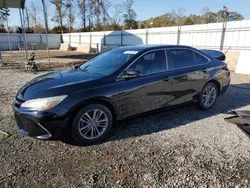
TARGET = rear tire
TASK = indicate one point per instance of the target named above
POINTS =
(208, 96)
(92, 124)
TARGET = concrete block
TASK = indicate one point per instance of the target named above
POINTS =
(243, 65)
(85, 48)
(232, 58)
(65, 47)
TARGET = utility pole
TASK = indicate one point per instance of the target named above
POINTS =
(225, 15)
(7, 24)
(46, 27)
(21, 13)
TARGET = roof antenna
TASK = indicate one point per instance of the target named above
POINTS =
(228, 50)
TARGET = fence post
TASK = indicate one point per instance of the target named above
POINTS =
(69, 38)
(79, 38)
(20, 42)
(104, 39)
(97, 48)
(90, 40)
(41, 38)
(1, 58)
(223, 32)
(121, 38)
(179, 35)
(146, 35)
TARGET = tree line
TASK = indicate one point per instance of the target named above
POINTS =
(102, 15)
(178, 17)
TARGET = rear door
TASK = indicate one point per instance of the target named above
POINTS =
(150, 91)
(188, 68)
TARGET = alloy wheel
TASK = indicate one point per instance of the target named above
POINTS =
(93, 124)
(209, 96)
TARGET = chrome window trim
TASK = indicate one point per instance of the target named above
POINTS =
(167, 63)
(159, 49)
(209, 60)
(166, 55)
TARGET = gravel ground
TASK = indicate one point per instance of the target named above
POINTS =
(183, 147)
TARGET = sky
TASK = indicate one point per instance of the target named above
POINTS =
(146, 9)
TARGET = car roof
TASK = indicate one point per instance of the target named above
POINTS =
(151, 47)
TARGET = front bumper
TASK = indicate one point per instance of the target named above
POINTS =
(41, 125)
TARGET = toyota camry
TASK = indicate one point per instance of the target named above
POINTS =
(124, 82)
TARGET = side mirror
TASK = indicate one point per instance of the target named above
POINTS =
(76, 66)
(131, 74)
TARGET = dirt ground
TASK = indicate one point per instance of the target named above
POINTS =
(58, 58)
(182, 147)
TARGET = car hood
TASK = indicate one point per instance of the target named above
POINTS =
(55, 83)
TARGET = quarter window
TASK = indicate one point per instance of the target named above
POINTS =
(153, 62)
(199, 59)
(185, 58)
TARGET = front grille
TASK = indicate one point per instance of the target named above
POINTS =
(18, 102)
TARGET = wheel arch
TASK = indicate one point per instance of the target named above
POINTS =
(216, 82)
(96, 100)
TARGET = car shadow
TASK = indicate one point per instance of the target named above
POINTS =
(237, 96)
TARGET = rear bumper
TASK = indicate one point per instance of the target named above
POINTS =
(225, 84)
(40, 125)
(224, 88)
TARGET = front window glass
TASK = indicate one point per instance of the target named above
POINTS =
(108, 62)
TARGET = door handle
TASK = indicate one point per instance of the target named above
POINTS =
(166, 78)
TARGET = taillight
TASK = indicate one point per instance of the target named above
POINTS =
(226, 69)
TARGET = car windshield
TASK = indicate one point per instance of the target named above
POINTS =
(108, 62)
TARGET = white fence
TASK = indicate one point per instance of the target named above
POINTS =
(17, 40)
(236, 36)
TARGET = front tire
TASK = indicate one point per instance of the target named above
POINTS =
(92, 124)
(208, 96)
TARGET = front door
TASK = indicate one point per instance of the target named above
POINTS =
(150, 91)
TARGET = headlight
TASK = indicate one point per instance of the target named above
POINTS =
(43, 103)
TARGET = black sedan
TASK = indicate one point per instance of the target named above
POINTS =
(116, 85)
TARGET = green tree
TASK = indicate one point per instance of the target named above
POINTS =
(195, 19)
(115, 17)
(59, 11)
(83, 8)
(129, 15)
(188, 21)
(4, 13)
(233, 16)
(70, 14)
(59, 29)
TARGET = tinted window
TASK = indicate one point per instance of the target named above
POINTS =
(153, 62)
(199, 59)
(108, 62)
(185, 58)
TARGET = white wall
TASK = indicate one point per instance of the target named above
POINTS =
(54, 40)
(237, 36)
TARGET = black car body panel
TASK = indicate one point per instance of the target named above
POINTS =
(242, 120)
(52, 83)
(215, 54)
(125, 97)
